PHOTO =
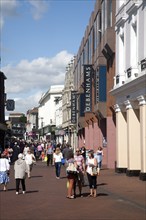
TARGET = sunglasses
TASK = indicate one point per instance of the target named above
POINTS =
(77, 151)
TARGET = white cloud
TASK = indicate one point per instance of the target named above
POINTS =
(8, 9)
(24, 104)
(39, 8)
(28, 80)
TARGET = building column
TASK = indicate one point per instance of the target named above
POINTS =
(133, 140)
(121, 140)
(142, 106)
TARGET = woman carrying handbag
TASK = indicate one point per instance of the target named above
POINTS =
(71, 171)
(92, 174)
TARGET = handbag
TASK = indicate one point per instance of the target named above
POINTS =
(63, 161)
(71, 169)
(94, 171)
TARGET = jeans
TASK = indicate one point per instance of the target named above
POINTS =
(92, 181)
(58, 168)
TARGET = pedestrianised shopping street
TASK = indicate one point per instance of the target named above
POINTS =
(118, 197)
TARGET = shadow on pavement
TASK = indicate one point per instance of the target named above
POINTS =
(102, 194)
(102, 184)
(32, 191)
(36, 176)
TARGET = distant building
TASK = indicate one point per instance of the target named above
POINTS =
(32, 124)
(59, 132)
(46, 112)
(69, 130)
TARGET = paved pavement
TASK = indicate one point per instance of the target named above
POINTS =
(119, 198)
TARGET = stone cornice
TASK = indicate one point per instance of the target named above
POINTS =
(117, 108)
(139, 82)
(128, 104)
(141, 99)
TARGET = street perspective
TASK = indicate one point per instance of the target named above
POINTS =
(73, 110)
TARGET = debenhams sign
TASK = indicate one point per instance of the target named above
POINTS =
(88, 69)
(73, 107)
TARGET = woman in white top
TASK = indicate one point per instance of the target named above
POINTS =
(57, 156)
(26, 148)
(30, 160)
(92, 177)
(4, 168)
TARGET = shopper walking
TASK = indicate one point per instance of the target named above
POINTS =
(92, 173)
(30, 160)
(4, 171)
(49, 152)
(83, 152)
(71, 174)
(25, 150)
(57, 157)
(99, 156)
(20, 169)
(79, 180)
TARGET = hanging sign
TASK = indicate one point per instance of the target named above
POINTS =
(73, 107)
(88, 71)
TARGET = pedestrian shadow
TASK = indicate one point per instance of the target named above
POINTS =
(85, 184)
(32, 191)
(102, 194)
(102, 184)
(13, 189)
(36, 176)
(7, 190)
(84, 195)
(87, 195)
(63, 177)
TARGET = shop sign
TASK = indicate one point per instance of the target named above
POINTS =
(73, 107)
(88, 71)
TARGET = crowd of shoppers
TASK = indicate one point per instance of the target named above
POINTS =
(24, 155)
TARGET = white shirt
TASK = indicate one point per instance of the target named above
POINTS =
(4, 164)
(89, 168)
(57, 157)
(29, 158)
(25, 150)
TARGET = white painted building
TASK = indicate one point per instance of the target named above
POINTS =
(130, 87)
(59, 132)
(32, 124)
(46, 111)
(70, 136)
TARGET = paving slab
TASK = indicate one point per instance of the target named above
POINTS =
(118, 198)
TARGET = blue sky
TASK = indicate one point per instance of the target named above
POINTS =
(38, 40)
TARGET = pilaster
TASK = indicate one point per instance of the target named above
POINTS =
(121, 140)
(133, 140)
(142, 105)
